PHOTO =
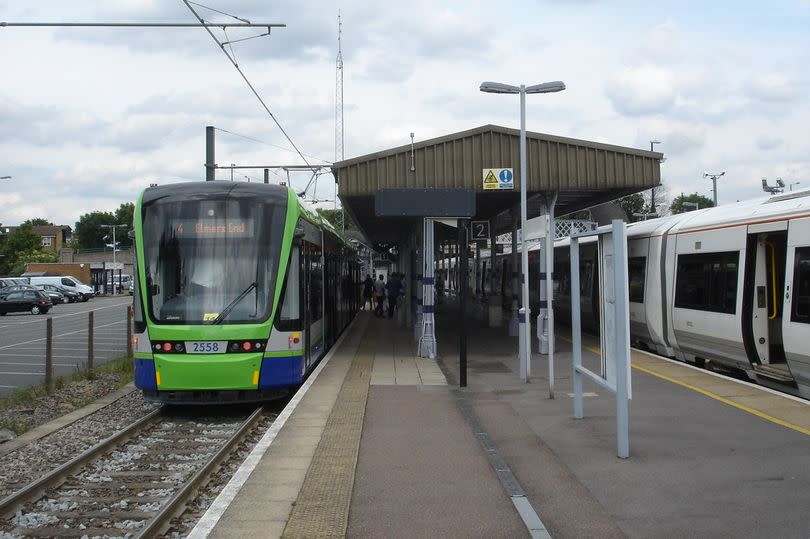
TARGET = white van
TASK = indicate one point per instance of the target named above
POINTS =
(66, 281)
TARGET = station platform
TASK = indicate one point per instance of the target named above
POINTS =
(382, 444)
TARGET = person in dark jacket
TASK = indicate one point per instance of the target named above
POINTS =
(368, 293)
(393, 293)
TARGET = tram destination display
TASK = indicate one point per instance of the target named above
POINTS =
(213, 228)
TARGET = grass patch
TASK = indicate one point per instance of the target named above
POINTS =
(25, 408)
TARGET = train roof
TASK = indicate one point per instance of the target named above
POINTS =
(190, 190)
(772, 208)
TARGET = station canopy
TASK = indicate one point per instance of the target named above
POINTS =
(583, 173)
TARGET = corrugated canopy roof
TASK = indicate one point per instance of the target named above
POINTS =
(584, 173)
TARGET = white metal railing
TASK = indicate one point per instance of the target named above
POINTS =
(562, 229)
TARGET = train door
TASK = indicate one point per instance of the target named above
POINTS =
(796, 313)
(763, 300)
(313, 294)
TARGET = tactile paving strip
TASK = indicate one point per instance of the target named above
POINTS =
(322, 508)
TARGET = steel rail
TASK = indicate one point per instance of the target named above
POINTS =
(175, 506)
(34, 490)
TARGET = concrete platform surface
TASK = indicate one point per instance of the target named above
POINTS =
(708, 458)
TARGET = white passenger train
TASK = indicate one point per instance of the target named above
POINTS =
(729, 285)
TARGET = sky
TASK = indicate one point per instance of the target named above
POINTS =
(90, 117)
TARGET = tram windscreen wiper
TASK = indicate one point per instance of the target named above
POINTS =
(227, 310)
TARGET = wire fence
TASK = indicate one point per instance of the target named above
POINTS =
(55, 346)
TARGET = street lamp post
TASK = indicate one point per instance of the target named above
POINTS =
(714, 183)
(652, 191)
(522, 90)
(115, 246)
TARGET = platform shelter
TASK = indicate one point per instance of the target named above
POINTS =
(564, 175)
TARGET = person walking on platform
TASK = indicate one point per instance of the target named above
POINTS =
(393, 293)
(368, 293)
(379, 294)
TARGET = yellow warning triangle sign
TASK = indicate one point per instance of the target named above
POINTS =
(490, 178)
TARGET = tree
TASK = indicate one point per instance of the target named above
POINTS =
(334, 217)
(38, 255)
(702, 202)
(88, 231)
(38, 221)
(632, 204)
(18, 246)
(123, 216)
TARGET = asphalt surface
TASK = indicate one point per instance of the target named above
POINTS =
(22, 340)
(698, 467)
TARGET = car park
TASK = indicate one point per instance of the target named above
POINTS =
(26, 300)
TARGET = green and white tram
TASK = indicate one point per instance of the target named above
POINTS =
(240, 290)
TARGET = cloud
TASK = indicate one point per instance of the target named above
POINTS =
(641, 90)
(682, 139)
(767, 142)
(773, 88)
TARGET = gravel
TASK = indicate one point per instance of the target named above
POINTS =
(70, 396)
(29, 462)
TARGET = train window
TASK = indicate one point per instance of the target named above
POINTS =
(290, 302)
(707, 282)
(585, 276)
(137, 306)
(801, 287)
(315, 283)
(637, 270)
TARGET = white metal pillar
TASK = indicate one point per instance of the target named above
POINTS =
(495, 309)
(427, 342)
(545, 318)
(478, 307)
(420, 263)
(513, 322)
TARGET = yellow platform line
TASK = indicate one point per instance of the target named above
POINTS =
(715, 396)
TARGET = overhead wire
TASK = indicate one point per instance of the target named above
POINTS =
(247, 81)
(268, 144)
(220, 12)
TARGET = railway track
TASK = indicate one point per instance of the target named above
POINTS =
(131, 484)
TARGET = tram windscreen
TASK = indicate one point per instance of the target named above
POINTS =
(212, 260)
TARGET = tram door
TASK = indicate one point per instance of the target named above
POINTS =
(312, 295)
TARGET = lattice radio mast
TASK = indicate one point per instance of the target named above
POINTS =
(339, 98)
(339, 114)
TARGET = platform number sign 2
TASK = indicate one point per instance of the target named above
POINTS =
(480, 230)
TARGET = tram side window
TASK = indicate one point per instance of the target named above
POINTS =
(707, 282)
(290, 301)
(637, 270)
(801, 287)
(137, 305)
(315, 283)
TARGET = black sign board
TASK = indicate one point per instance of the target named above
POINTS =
(459, 203)
(479, 230)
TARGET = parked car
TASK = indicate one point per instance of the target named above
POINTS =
(5, 282)
(56, 296)
(66, 281)
(18, 301)
(70, 295)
